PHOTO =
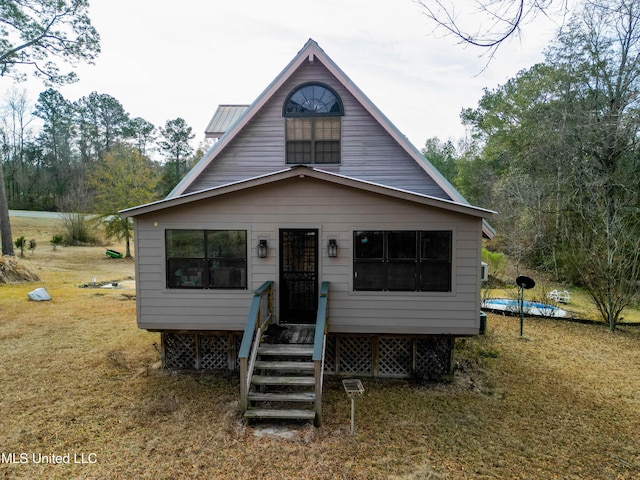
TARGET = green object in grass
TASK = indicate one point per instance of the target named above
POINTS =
(113, 254)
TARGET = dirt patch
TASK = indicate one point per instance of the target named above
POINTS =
(128, 284)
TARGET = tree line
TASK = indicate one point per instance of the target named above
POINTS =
(555, 150)
(88, 156)
(59, 164)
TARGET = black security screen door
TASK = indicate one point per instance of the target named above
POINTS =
(298, 276)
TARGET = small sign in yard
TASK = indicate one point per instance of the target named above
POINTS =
(354, 389)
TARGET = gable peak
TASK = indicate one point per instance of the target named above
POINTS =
(310, 49)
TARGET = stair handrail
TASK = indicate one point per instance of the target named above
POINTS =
(319, 344)
(258, 320)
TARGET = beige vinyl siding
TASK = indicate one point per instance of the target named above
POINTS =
(336, 211)
(367, 150)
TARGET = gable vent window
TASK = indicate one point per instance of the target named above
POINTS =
(312, 125)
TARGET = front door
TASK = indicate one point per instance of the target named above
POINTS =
(298, 275)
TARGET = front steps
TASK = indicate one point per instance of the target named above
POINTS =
(283, 381)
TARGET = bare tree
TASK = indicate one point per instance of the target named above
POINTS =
(606, 255)
(75, 205)
(16, 137)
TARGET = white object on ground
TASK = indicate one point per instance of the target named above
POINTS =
(39, 295)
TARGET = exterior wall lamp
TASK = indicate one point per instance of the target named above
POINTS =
(262, 248)
(332, 248)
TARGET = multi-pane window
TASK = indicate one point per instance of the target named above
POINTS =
(312, 125)
(313, 140)
(402, 261)
(206, 258)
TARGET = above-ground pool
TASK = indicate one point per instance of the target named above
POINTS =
(512, 307)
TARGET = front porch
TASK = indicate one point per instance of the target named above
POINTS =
(282, 366)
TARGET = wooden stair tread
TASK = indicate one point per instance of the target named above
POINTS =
(282, 397)
(283, 380)
(286, 350)
(280, 413)
(284, 365)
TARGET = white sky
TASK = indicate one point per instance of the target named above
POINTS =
(165, 59)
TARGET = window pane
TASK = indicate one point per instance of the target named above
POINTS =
(228, 273)
(435, 276)
(369, 244)
(327, 152)
(435, 245)
(402, 245)
(313, 99)
(226, 244)
(227, 251)
(401, 276)
(368, 275)
(298, 152)
(185, 273)
(185, 243)
(327, 128)
(298, 128)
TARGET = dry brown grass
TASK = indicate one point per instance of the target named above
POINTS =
(78, 377)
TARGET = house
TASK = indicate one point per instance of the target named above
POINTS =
(313, 224)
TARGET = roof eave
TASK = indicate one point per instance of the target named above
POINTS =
(302, 171)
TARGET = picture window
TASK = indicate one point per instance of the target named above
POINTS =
(402, 261)
(206, 258)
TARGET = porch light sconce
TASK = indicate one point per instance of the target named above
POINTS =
(332, 248)
(262, 248)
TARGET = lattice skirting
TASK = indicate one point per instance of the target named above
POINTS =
(377, 356)
(429, 358)
(200, 351)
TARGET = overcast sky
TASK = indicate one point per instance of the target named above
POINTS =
(165, 59)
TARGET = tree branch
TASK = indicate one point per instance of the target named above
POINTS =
(505, 19)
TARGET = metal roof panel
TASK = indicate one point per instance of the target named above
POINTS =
(224, 117)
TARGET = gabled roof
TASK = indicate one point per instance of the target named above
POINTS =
(312, 51)
(301, 171)
(224, 117)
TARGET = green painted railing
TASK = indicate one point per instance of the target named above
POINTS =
(319, 343)
(258, 320)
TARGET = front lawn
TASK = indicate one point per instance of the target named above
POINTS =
(81, 383)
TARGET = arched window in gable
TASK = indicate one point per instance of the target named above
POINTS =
(312, 114)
